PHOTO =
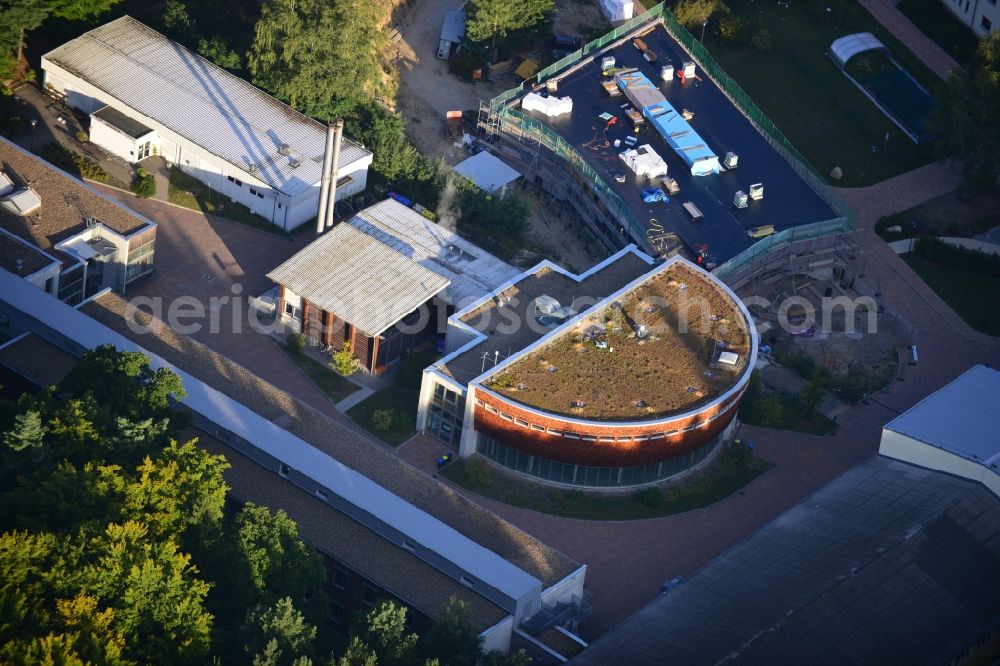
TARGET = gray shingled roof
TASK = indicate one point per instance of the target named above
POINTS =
(889, 563)
(359, 279)
(217, 110)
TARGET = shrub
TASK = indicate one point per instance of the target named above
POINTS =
(144, 185)
(82, 136)
(67, 160)
(959, 258)
(762, 40)
(729, 28)
(477, 473)
(812, 394)
(736, 456)
(295, 342)
(768, 412)
(343, 362)
(502, 381)
(383, 420)
(692, 13)
(651, 497)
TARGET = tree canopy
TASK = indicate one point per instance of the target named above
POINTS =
(321, 57)
(490, 19)
(116, 548)
(965, 117)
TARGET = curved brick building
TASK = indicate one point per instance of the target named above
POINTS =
(622, 376)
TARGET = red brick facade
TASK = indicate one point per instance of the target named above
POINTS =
(598, 444)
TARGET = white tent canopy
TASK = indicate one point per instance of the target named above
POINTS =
(488, 172)
(644, 161)
(550, 106)
(845, 48)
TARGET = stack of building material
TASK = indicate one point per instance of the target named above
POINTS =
(644, 161)
(675, 130)
(550, 106)
(617, 10)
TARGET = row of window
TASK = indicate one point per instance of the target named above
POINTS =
(568, 434)
(585, 476)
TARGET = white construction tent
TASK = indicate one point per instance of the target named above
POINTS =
(488, 172)
(644, 161)
(617, 10)
(550, 106)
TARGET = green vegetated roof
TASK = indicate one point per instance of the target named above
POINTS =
(647, 354)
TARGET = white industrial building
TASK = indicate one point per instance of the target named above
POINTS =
(148, 95)
(954, 430)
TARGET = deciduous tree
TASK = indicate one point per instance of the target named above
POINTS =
(965, 117)
(491, 19)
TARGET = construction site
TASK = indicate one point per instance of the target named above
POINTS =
(649, 142)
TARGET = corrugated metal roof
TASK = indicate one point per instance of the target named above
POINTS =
(218, 111)
(359, 279)
(963, 417)
(473, 272)
(416, 525)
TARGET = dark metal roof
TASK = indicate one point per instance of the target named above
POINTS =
(889, 563)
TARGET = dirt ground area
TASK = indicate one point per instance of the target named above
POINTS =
(556, 234)
(634, 357)
(861, 352)
(427, 91)
(579, 17)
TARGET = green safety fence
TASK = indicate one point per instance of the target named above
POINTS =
(537, 131)
(792, 235)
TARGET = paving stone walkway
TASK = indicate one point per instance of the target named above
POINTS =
(903, 29)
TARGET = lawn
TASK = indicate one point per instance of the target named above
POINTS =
(941, 26)
(403, 405)
(333, 385)
(796, 416)
(716, 482)
(400, 399)
(810, 100)
(975, 298)
(186, 191)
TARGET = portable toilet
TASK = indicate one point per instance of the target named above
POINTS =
(757, 191)
(607, 62)
(688, 69)
(667, 73)
(730, 160)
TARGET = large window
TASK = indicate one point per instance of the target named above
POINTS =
(445, 415)
(592, 477)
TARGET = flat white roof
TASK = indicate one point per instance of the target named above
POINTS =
(473, 271)
(487, 171)
(962, 418)
(202, 102)
(418, 526)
